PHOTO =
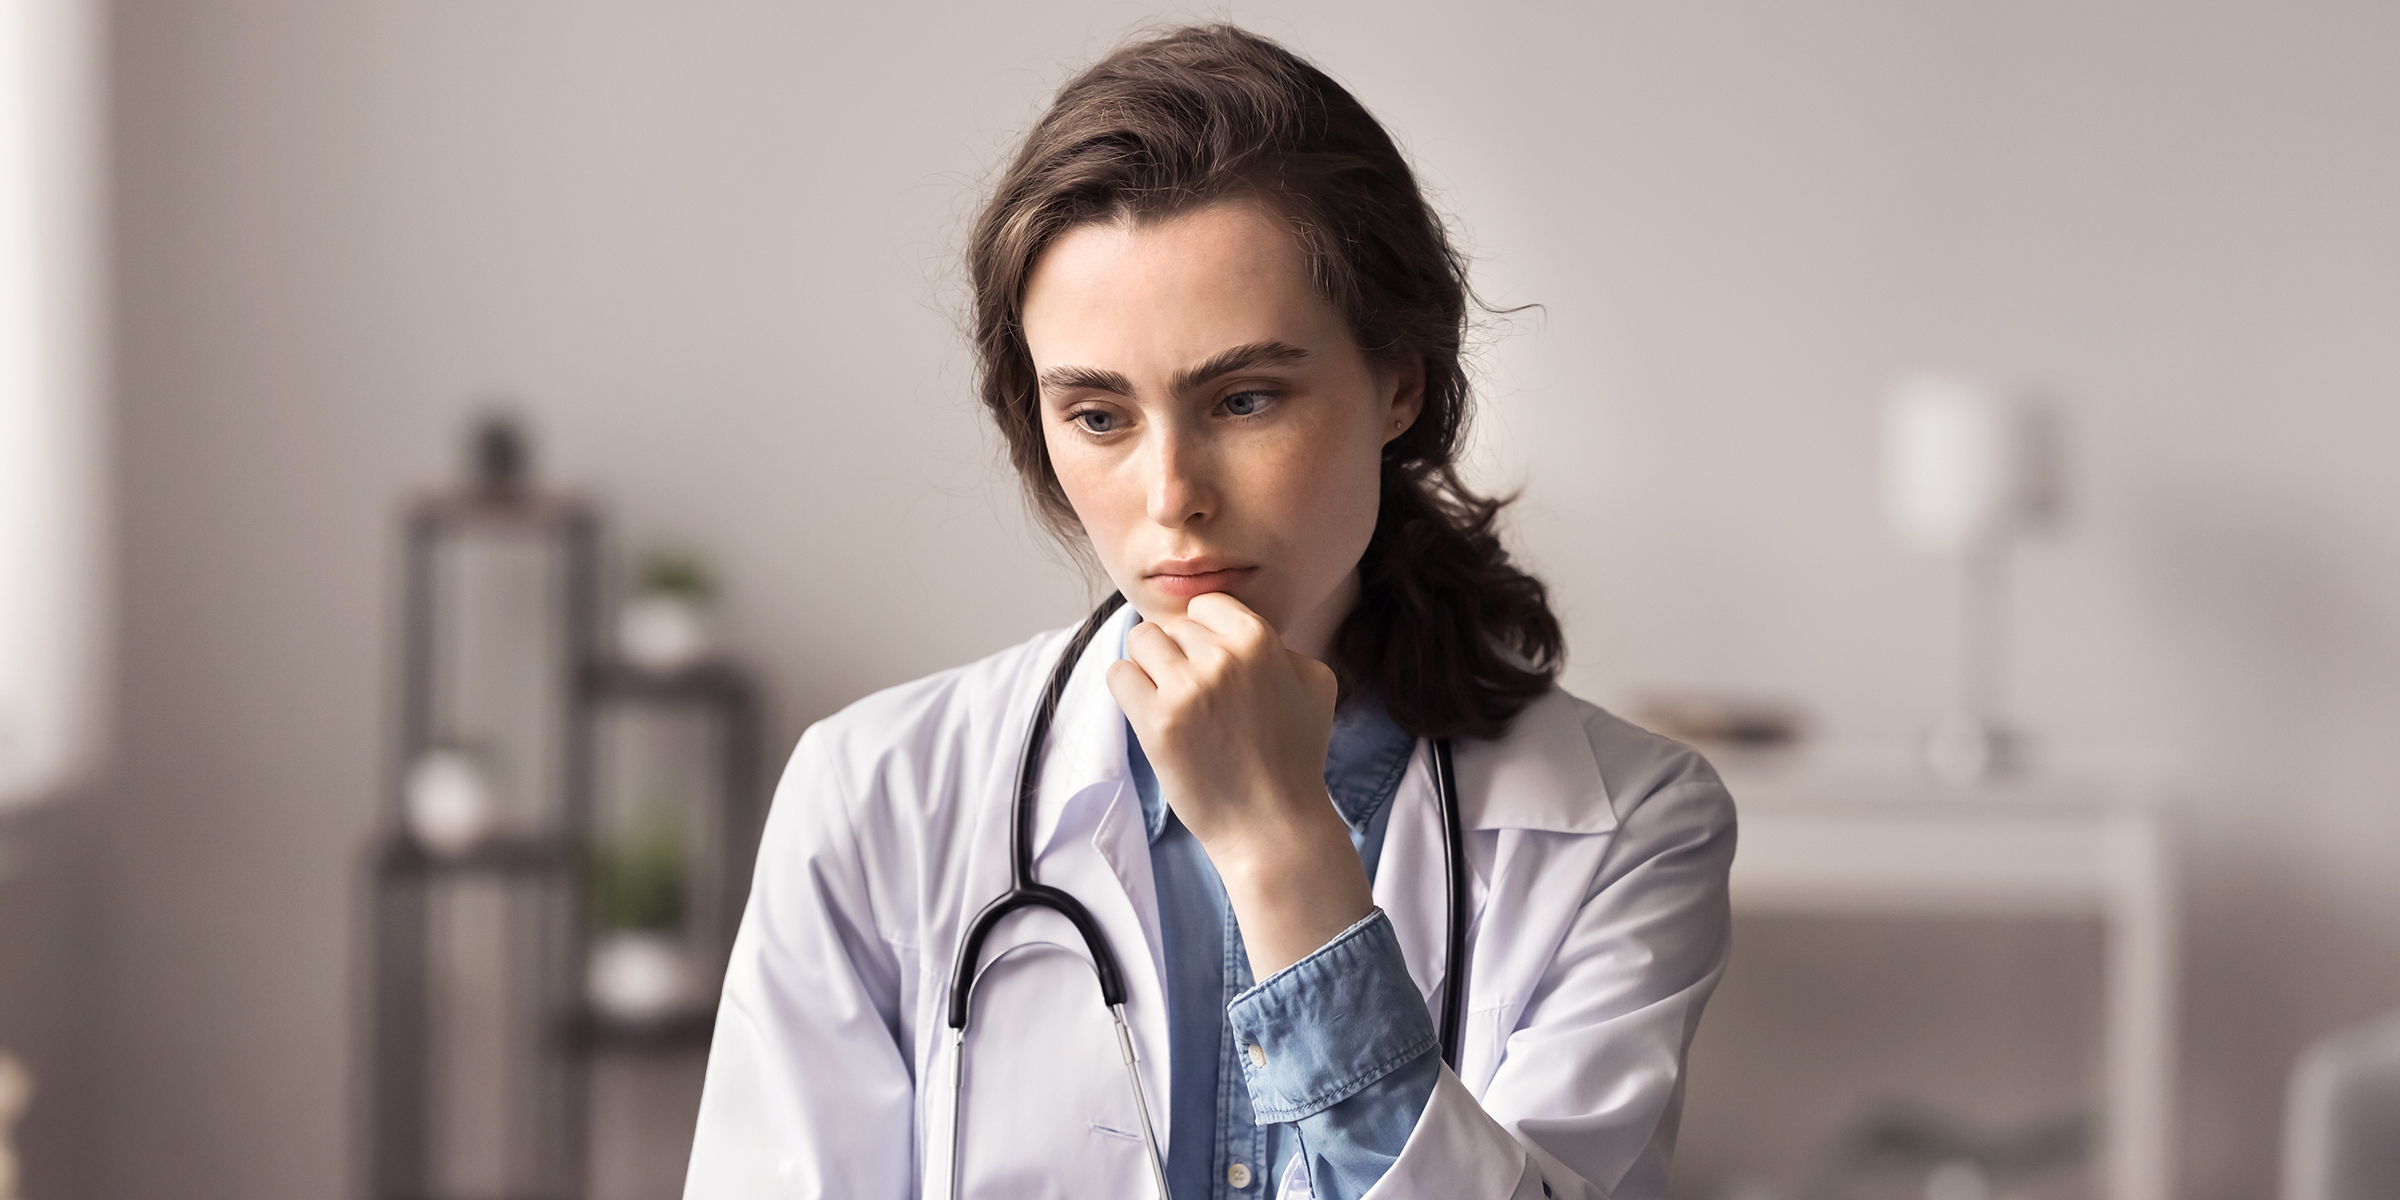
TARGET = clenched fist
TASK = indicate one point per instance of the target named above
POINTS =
(1236, 727)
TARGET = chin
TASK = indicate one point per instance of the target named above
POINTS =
(1155, 603)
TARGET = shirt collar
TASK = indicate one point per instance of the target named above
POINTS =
(1365, 759)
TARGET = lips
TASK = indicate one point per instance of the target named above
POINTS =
(1186, 578)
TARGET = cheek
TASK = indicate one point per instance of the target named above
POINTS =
(1090, 490)
(1333, 489)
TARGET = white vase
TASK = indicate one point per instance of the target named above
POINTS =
(447, 801)
(659, 632)
(638, 976)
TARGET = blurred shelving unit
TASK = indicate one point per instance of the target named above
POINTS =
(511, 888)
(1826, 842)
(725, 696)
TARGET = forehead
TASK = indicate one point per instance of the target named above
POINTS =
(1122, 294)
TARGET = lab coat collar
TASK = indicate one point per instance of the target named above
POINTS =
(1541, 774)
(1084, 762)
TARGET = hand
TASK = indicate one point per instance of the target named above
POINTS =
(1236, 727)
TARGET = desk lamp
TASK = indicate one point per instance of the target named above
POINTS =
(1965, 474)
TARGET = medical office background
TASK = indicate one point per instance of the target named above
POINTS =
(706, 252)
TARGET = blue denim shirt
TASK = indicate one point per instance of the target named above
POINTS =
(1332, 1058)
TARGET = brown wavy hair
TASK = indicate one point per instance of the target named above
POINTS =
(1452, 635)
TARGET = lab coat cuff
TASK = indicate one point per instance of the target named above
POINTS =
(1319, 1031)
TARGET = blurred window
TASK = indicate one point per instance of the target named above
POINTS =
(52, 552)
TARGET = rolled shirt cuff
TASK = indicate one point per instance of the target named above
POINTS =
(1319, 1031)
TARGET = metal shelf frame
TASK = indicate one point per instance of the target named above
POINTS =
(539, 868)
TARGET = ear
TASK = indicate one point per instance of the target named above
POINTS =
(1403, 383)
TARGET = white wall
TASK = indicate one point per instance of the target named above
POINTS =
(709, 245)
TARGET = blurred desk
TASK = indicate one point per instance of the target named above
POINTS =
(1822, 841)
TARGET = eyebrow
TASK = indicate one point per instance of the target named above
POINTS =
(1085, 379)
(1240, 358)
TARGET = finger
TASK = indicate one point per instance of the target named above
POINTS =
(1227, 617)
(1153, 644)
(1133, 687)
(1196, 646)
(1157, 649)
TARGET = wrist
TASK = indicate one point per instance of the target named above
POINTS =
(1293, 889)
(1300, 833)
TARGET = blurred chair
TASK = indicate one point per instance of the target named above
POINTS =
(2341, 1136)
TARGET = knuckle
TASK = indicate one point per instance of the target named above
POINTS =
(1215, 662)
(1172, 721)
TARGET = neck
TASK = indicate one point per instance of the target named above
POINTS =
(1312, 632)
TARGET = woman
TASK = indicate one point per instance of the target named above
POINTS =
(1220, 329)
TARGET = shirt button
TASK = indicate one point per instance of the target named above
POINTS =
(1258, 1058)
(1238, 1175)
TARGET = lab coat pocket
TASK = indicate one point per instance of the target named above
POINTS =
(1483, 1042)
(1042, 1064)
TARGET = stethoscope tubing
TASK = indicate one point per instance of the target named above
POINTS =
(1024, 893)
(1454, 870)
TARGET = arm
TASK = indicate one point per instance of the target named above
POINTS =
(1236, 726)
(812, 994)
(1588, 1089)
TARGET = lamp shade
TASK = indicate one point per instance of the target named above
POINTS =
(1957, 463)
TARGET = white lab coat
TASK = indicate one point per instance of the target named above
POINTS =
(1599, 856)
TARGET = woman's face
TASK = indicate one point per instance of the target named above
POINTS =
(1209, 417)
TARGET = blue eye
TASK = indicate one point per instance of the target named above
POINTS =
(1246, 404)
(1095, 420)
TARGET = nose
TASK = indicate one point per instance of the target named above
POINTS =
(1182, 484)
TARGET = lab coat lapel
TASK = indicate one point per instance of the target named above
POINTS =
(1540, 777)
(1090, 843)
(1085, 797)
(1086, 745)
(1410, 884)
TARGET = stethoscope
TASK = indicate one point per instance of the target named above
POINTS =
(1024, 892)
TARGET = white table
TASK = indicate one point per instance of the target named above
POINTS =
(1826, 841)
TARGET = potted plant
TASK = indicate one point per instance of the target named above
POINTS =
(638, 970)
(664, 624)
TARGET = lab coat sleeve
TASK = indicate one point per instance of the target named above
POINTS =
(1589, 1086)
(809, 1093)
